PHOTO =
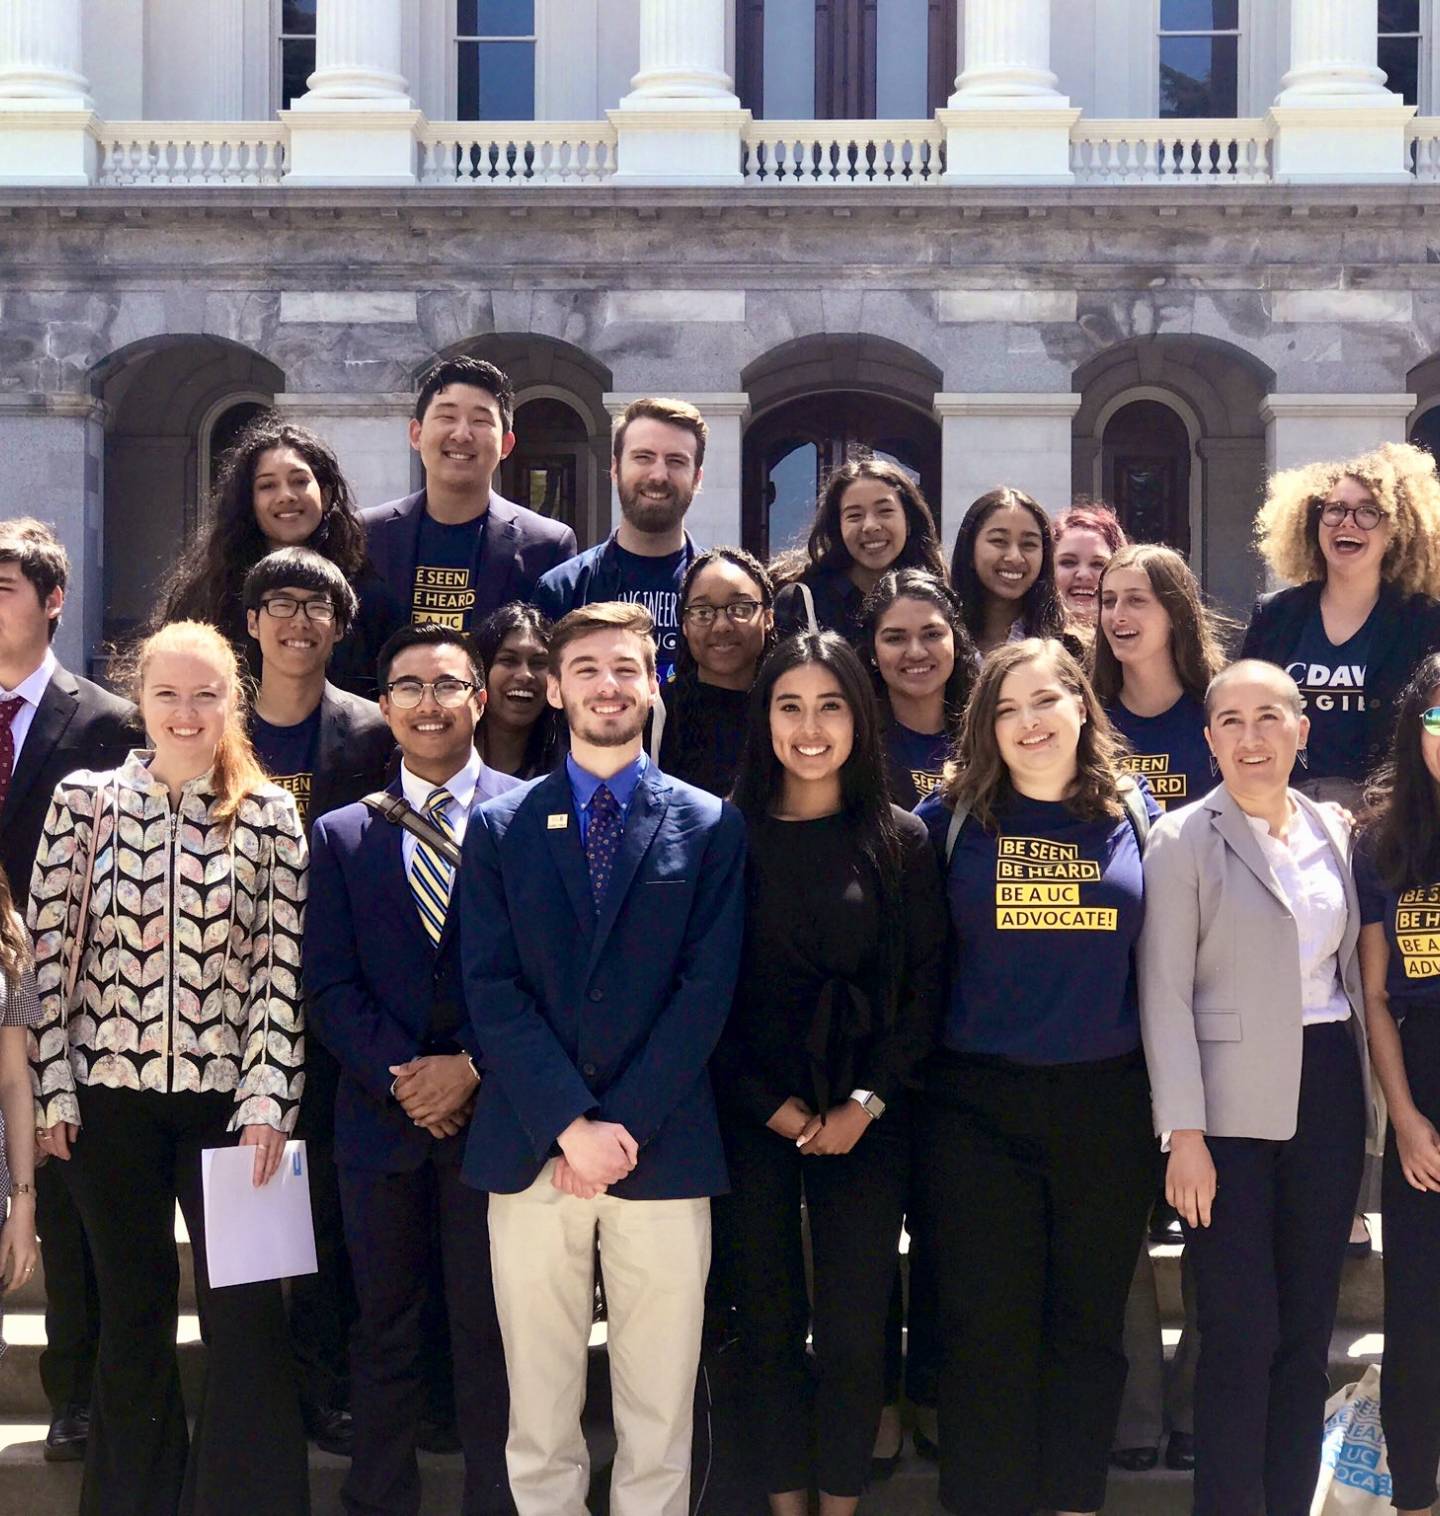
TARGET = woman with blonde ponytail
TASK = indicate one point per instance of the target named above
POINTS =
(166, 906)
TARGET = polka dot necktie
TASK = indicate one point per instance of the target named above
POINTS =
(9, 709)
(602, 841)
(431, 875)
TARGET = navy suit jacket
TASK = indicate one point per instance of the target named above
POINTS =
(614, 1016)
(520, 546)
(374, 981)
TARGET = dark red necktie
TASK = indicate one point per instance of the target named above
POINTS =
(9, 709)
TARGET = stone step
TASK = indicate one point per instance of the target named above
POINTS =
(1362, 1288)
(31, 1295)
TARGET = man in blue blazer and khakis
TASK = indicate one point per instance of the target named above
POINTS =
(602, 911)
(382, 981)
(456, 550)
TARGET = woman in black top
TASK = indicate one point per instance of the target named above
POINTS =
(1003, 570)
(1360, 543)
(517, 735)
(726, 616)
(1397, 876)
(281, 486)
(871, 518)
(838, 1001)
(924, 662)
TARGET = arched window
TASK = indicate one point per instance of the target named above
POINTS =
(1146, 469)
(845, 59)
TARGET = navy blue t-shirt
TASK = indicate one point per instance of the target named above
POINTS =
(655, 584)
(446, 559)
(1169, 749)
(914, 762)
(1046, 913)
(287, 754)
(1332, 681)
(1411, 919)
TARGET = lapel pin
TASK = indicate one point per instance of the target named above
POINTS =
(558, 823)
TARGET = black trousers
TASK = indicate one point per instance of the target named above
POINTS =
(912, 1341)
(1267, 1281)
(322, 1307)
(1037, 1187)
(72, 1301)
(1410, 1385)
(391, 1221)
(855, 1202)
(137, 1153)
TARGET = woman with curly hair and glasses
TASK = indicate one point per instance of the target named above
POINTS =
(281, 486)
(1359, 541)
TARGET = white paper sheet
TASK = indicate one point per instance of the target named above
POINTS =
(253, 1234)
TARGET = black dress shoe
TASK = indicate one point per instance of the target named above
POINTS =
(1135, 1460)
(65, 1441)
(926, 1449)
(435, 1437)
(330, 1429)
(1180, 1452)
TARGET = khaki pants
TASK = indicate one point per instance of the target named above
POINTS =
(656, 1255)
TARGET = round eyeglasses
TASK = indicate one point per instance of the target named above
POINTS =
(1367, 517)
(739, 612)
(408, 693)
(1430, 720)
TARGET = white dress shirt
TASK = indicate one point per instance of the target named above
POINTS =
(31, 690)
(417, 792)
(1309, 878)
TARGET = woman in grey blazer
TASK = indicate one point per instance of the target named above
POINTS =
(1253, 1022)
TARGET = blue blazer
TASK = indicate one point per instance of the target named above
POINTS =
(520, 545)
(373, 979)
(614, 1017)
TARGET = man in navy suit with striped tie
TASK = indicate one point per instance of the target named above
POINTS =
(382, 980)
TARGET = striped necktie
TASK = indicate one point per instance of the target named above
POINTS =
(431, 875)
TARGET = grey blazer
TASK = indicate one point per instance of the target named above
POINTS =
(1219, 975)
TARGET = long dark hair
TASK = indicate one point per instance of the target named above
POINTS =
(14, 944)
(1403, 799)
(978, 778)
(208, 583)
(916, 584)
(922, 540)
(864, 791)
(1041, 613)
(516, 616)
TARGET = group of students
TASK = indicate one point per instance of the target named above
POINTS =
(970, 881)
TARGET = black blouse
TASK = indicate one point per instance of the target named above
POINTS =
(704, 733)
(822, 1008)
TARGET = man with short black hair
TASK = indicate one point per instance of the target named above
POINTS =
(382, 983)
(456, 550)
(658, 463)
(328, 748)
(51, 723)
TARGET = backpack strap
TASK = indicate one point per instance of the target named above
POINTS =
(958, 818)
(1135, 812)
(658, 716)
(807, 597)
(398, 811)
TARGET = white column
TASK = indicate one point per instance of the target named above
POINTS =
(713, 519)
(681, 123)
(356, 124)
(1007, 121)
(988, 440)
(47, 119)
(1334, 120)
(1303, 429)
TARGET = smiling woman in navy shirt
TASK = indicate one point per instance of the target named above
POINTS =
(1397, 872)
(1360, 542)
(1037, 1121)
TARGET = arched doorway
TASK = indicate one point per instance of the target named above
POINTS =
(552, 454)
(1425, 430)
(817, 401)
(174, 404)
(1146, 472)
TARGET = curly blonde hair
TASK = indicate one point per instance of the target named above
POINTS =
(1403, 482)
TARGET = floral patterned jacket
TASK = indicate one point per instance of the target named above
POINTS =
(190, 973)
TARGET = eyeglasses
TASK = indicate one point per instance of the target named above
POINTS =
(1430, 720)
(408, 693)
(283, 608)
(739, 612)
(1367, 517)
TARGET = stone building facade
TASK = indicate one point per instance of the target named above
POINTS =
(1010, 289)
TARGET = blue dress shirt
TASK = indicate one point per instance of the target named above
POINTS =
(583, 785)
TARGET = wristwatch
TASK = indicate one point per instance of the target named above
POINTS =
(869, 1102)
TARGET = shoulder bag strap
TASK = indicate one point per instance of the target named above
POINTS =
(958, 819)
(397, 810)
(807, 596)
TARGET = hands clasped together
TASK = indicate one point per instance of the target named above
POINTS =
(830, 1133)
